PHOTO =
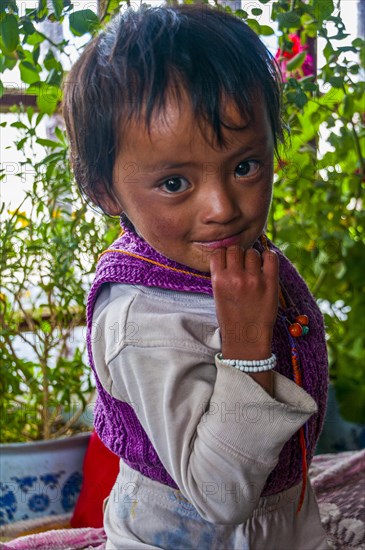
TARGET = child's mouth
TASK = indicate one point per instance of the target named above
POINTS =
(222, 243)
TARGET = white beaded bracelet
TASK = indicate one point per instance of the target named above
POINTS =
(256, 365)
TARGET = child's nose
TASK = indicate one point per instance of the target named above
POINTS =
(219, 205)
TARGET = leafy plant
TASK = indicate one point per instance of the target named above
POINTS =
(317, 215)
(45, 255)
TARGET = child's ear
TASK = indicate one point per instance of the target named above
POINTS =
(108, 201)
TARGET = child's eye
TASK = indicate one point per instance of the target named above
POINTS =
(175, 185)
(247, 168)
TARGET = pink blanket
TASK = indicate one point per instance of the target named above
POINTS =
(338, 481)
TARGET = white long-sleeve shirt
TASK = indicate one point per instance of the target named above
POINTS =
(217, 432)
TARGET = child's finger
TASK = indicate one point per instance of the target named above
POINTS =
(234, 256)
(252, 261)
(270, 264)
(217, 260)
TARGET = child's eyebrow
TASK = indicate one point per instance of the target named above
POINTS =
(160, 166)
(165, 165)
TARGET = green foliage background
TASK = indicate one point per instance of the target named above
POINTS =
(317, 216)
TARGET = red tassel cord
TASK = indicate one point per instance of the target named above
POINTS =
(302, 441)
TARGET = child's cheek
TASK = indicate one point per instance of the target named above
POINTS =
(166, 228)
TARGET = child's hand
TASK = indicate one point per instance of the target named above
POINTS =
(246, 290)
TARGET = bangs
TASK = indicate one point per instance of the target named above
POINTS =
(195, 52)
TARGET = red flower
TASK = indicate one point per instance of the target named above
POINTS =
(282, 57)
(295, 49)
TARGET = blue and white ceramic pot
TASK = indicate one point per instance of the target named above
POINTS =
(41, 478)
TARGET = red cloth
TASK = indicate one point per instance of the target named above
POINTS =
(100, 470)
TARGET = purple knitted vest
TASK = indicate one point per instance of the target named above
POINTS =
(116, 422)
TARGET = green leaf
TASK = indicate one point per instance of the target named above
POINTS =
(46, 327)
(354, 69)
(53, 78)
(289, 20)
(28, 72)
(47, 143)
(322, 9)
(60, 135)
(20, 143)
(340, 36)
(83, 21)
(18, 124)
(265, 30)
(336, 81)
(30, 112)
(241, 13)
(358, 43)
(309, 86)
(10, 63)
(113, 5)
(6, 62)
(36, 53)
(42, 10)
(39, 118)
(348, 106)
(328, 50)
(48, 98)
(57, 7)
(296, 62)
(50, 61)
(26, 55)
(10, 32)
(33, 89)
(298, 98)
(35, 38)
(254, 25)
(256, 11)
(28, 27)
(1, 89)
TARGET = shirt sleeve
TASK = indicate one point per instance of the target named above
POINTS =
(217, 432)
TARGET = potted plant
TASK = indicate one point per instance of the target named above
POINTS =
(48, 245)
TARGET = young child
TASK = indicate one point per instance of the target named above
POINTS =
(208, 349)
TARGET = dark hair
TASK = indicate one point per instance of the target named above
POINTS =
(127, 71)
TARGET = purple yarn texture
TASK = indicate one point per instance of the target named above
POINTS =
(116, 422)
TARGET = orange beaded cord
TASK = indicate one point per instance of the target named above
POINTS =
(298, 381)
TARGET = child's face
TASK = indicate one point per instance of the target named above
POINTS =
(186, 197)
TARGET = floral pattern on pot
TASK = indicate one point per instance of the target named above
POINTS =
(42, 495)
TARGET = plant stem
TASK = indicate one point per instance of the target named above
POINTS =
(45, 392)
(103, 7)
(273, 225)
(74, 417)
(358, 148)
(27, 318)
(319, 282)
(50, 41)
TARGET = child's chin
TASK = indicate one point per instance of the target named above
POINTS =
(200, 261)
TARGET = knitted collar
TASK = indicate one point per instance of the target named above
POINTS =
(148, 267)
